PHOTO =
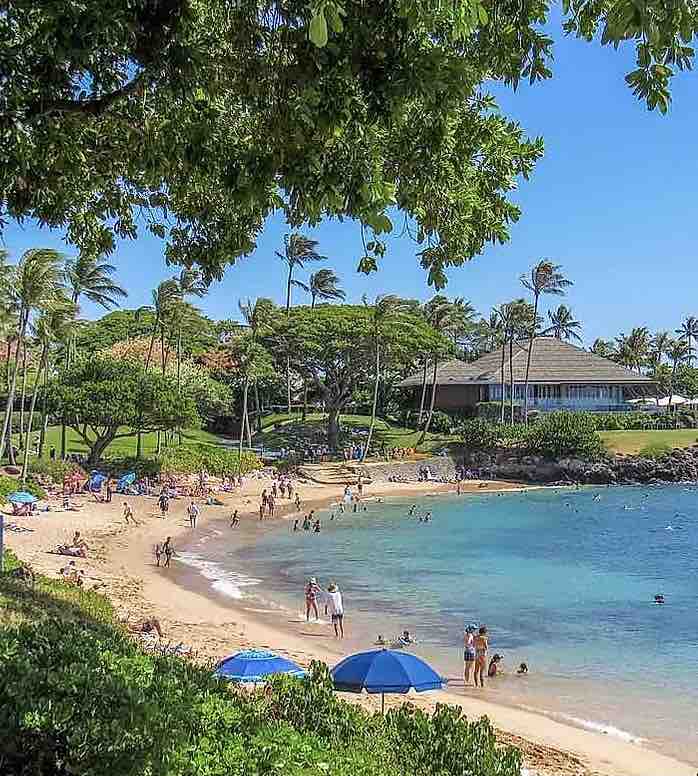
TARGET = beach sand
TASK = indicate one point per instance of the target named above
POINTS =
(122, 565)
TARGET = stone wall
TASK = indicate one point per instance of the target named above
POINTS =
(441, 467)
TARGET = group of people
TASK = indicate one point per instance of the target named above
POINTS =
(332, 601)
(353, 453)
(310, 522)
(475, 647)
(424, 517)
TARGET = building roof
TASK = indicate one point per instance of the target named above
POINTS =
(552, 361)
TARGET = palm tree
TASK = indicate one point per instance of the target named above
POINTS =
(35, 284)
(603, 348)
(516, 317)
(677, 351)
(52, 325)
(323, 284)
(89, 276)
(659, 345)
(256, 315)
(164, 296)
(298, 250)
(438, 313)
(190, 284)
(545, 278)
(689, 331)
(384, 313)
(461, 319)
(562, 324)
(632, 350)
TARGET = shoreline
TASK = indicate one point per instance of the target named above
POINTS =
(121, 560)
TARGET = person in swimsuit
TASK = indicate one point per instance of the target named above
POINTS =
(312, 589)
(481, 645)
(468, 653)
(493, 669)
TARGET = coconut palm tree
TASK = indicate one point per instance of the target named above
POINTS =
(632, 350)
(562, 324)
(323, 284)
(164, 296)
(191, 283)
(34, 284)
(461, 319)
(688, 331)
(87, 275)
(659, 345)
(603, 348)
(437, 311)
(256, 315)
(298, 250)
(385, 312)
(545, 278)
(54, 322)
(677, 352)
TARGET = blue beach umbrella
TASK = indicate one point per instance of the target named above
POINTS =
(385, 671)
(22, 497)
(255, 666)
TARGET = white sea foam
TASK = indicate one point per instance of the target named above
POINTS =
(228, 583)
(588, 724)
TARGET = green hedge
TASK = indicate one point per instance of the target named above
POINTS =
(188, 459)
(79, 698)
(633, 421)
(56, 470)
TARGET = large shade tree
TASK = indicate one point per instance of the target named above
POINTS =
(104, 398)
(200, 119)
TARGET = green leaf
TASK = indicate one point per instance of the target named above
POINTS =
(367, 265)
(318, 30)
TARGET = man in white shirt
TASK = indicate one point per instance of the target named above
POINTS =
(335, 607)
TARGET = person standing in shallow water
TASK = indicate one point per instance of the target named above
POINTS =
(481, 644)
(468, 653)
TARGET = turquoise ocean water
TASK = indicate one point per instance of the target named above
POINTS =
(563, 579)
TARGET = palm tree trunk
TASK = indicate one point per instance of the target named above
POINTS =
(531, 340)
(422, 436)
(248, 430)
(424, 392)
(44, 414)
(243, 419)
(8, 356)
(502, 404)
(32, 408)
(258, 408)
(288, 357)
(23, 396)
(375, 403)
(6, 439)
(511, 378)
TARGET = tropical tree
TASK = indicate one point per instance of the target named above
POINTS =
(658, 347)
(544, 278)
(34, 284)
(53, 325)
(323, 284)
(462, 317)
(298, 250)
(688, 331)
(90, 276)
(603, 348)
(256, 315)
(563, 325)
(164, 297)
(438, 312)
(516, 317)
(385, 314)
(190, 283)
(632, 350)
(677, 352)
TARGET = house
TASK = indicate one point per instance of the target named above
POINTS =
(561, 376)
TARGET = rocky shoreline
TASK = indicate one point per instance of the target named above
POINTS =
(679, 465)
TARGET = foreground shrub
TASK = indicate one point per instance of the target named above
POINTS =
(562, 434)
(56, 471)
(79, 698)
(479, 434)
(188, 459)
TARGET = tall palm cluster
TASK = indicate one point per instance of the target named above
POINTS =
(39, 316)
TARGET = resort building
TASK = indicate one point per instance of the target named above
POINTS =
(562, 376)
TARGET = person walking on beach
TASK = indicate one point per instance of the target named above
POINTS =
(295, 525)
(168, 551)
(298, 502)
(261, 511)
(270, 505)
(481, 644)
(164, 503)
(335, 607)
(468, 653)
(128, 514)
(193, 511)
(312, 590)
(289, 490)
(360, 486)
(234, 520)
(109, 491)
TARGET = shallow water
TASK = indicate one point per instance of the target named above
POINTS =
(564, 581)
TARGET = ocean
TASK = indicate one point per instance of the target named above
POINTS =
(564, 580)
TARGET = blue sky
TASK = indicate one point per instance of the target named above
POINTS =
(613, 201)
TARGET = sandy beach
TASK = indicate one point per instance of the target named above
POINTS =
(121, 564)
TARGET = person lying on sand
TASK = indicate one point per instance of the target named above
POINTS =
(71, 552)
(78, 541)
(149, 625)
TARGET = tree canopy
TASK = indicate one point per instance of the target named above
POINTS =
(104, 399)
(200, 118)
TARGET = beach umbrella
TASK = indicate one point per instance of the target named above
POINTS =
(255, 666)
(21, 497)
(385, 671)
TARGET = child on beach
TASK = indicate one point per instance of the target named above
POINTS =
(128, 514)
(481, 645)
(468, 653)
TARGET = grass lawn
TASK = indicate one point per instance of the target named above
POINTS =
(122, 448)
(393, 436)
(631, 442)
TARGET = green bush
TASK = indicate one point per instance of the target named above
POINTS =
(479, 434)
(489, 410)
(56, 471)
(441, 423)
(562, 434)
(188, 459)
(10, 485)
(655, 450)
(79, 698)
(639, 421)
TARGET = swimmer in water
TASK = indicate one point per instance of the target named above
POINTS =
(522, 669)
(411, 511)
(597, 497)
(659, 598)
